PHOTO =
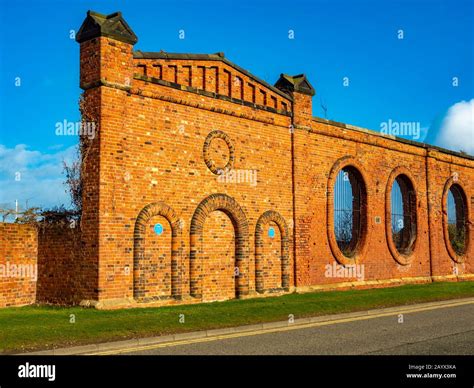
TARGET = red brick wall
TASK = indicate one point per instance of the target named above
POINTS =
(272, 269)
(316, 154)
(158, 259)
(165, 128)
(92, 69)
(444, 170)
(18, 269)
(152, 151)
(152, 159)
(318, 151)
(218, 261)
(60, 264)
(157, 155)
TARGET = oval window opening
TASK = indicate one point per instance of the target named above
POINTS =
(403, 214)
(349, 210)
(457, 219)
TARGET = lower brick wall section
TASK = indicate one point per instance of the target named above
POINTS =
(18, 266)
(52, 267)
(59, 264)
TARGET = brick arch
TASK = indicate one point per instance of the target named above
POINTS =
(452, 253)
(231, 208)
(149, 211)
(347, 161)
(265, 218)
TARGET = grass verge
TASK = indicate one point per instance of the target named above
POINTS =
(43, 327)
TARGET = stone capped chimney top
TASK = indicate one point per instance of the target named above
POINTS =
(112, 26)
(297, 83)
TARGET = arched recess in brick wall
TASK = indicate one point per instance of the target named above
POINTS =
(232, 209)
(265, 218)
(139, 274)
(359, 182)
(403, 250)
(455, 187)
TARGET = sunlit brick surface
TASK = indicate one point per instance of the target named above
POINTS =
(151, 162)
(218, 263)
(18, 247)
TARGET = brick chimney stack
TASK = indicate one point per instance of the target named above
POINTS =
(302, 92)
(106, 50)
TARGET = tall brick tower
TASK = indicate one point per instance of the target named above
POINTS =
(106, 69)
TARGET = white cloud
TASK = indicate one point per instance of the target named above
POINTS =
(41, 176)
(457, 128)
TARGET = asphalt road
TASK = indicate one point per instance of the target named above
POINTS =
(446, 331)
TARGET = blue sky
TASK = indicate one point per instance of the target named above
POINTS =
(388, 79)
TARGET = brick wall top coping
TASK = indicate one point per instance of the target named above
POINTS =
(208, 57)
(112, 26)
(394, 138)
(297, 83)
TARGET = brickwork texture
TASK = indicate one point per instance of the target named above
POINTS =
(205, 183)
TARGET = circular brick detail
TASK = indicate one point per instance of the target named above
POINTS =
(206, 152)
(452, 253)
(265, 218)
(139, 275)
(231, 208)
